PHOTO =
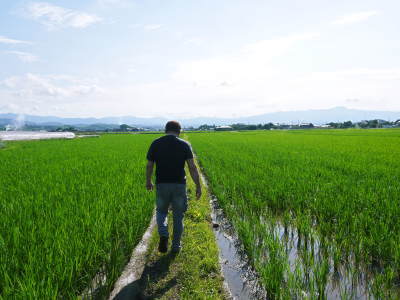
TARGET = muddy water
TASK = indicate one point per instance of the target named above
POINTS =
(240, 278)
(242, 281)
(341, 282)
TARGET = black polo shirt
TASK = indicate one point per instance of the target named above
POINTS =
(170, 153)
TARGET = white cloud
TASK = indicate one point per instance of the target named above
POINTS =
(268, 91)
(6, 40)
(48, 94)
(24, 56)
(250, 80)
(391, 74)
(247, 64)
(194, 41)
(152, 27)
(355, 17)
(55, 17)
(147, 27)
(113, 3)
(41, 87)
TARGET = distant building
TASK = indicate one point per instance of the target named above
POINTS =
(306, 125)
(285, 126)
(223, 128)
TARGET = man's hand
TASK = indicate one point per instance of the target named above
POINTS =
(195, 176)
(149, 173)
(149, 186)
(198, 192)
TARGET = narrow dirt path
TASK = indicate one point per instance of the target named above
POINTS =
(194, 273)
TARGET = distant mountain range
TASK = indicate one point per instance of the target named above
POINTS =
(321, 116)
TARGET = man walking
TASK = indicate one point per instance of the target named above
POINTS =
(169, 153)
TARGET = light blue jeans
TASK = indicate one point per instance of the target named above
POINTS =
(174, 195)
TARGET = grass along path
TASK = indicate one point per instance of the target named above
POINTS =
(194, 273)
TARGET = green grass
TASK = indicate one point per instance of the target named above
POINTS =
(338, 189)
(69, 209)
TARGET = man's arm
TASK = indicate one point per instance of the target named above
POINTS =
(195, 176)
(149, 174)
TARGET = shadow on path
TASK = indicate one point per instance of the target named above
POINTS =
(153, 275)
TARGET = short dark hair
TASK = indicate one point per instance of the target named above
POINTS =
(173, 126)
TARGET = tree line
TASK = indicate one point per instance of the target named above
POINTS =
(336, 125)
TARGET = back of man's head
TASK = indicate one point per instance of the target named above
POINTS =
(173, 126)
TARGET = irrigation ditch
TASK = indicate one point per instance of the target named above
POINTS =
(241, 280)
(125, 286)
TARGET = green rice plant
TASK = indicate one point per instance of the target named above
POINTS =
(339, 189)
(70, 210)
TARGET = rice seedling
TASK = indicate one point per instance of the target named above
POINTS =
(337, 189)
(70, 210)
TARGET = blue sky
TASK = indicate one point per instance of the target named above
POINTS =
(197, 58)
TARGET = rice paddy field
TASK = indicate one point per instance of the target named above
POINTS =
(70, 210)
(317, 211)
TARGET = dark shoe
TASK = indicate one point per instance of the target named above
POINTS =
(175, 250)
(163, 245)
